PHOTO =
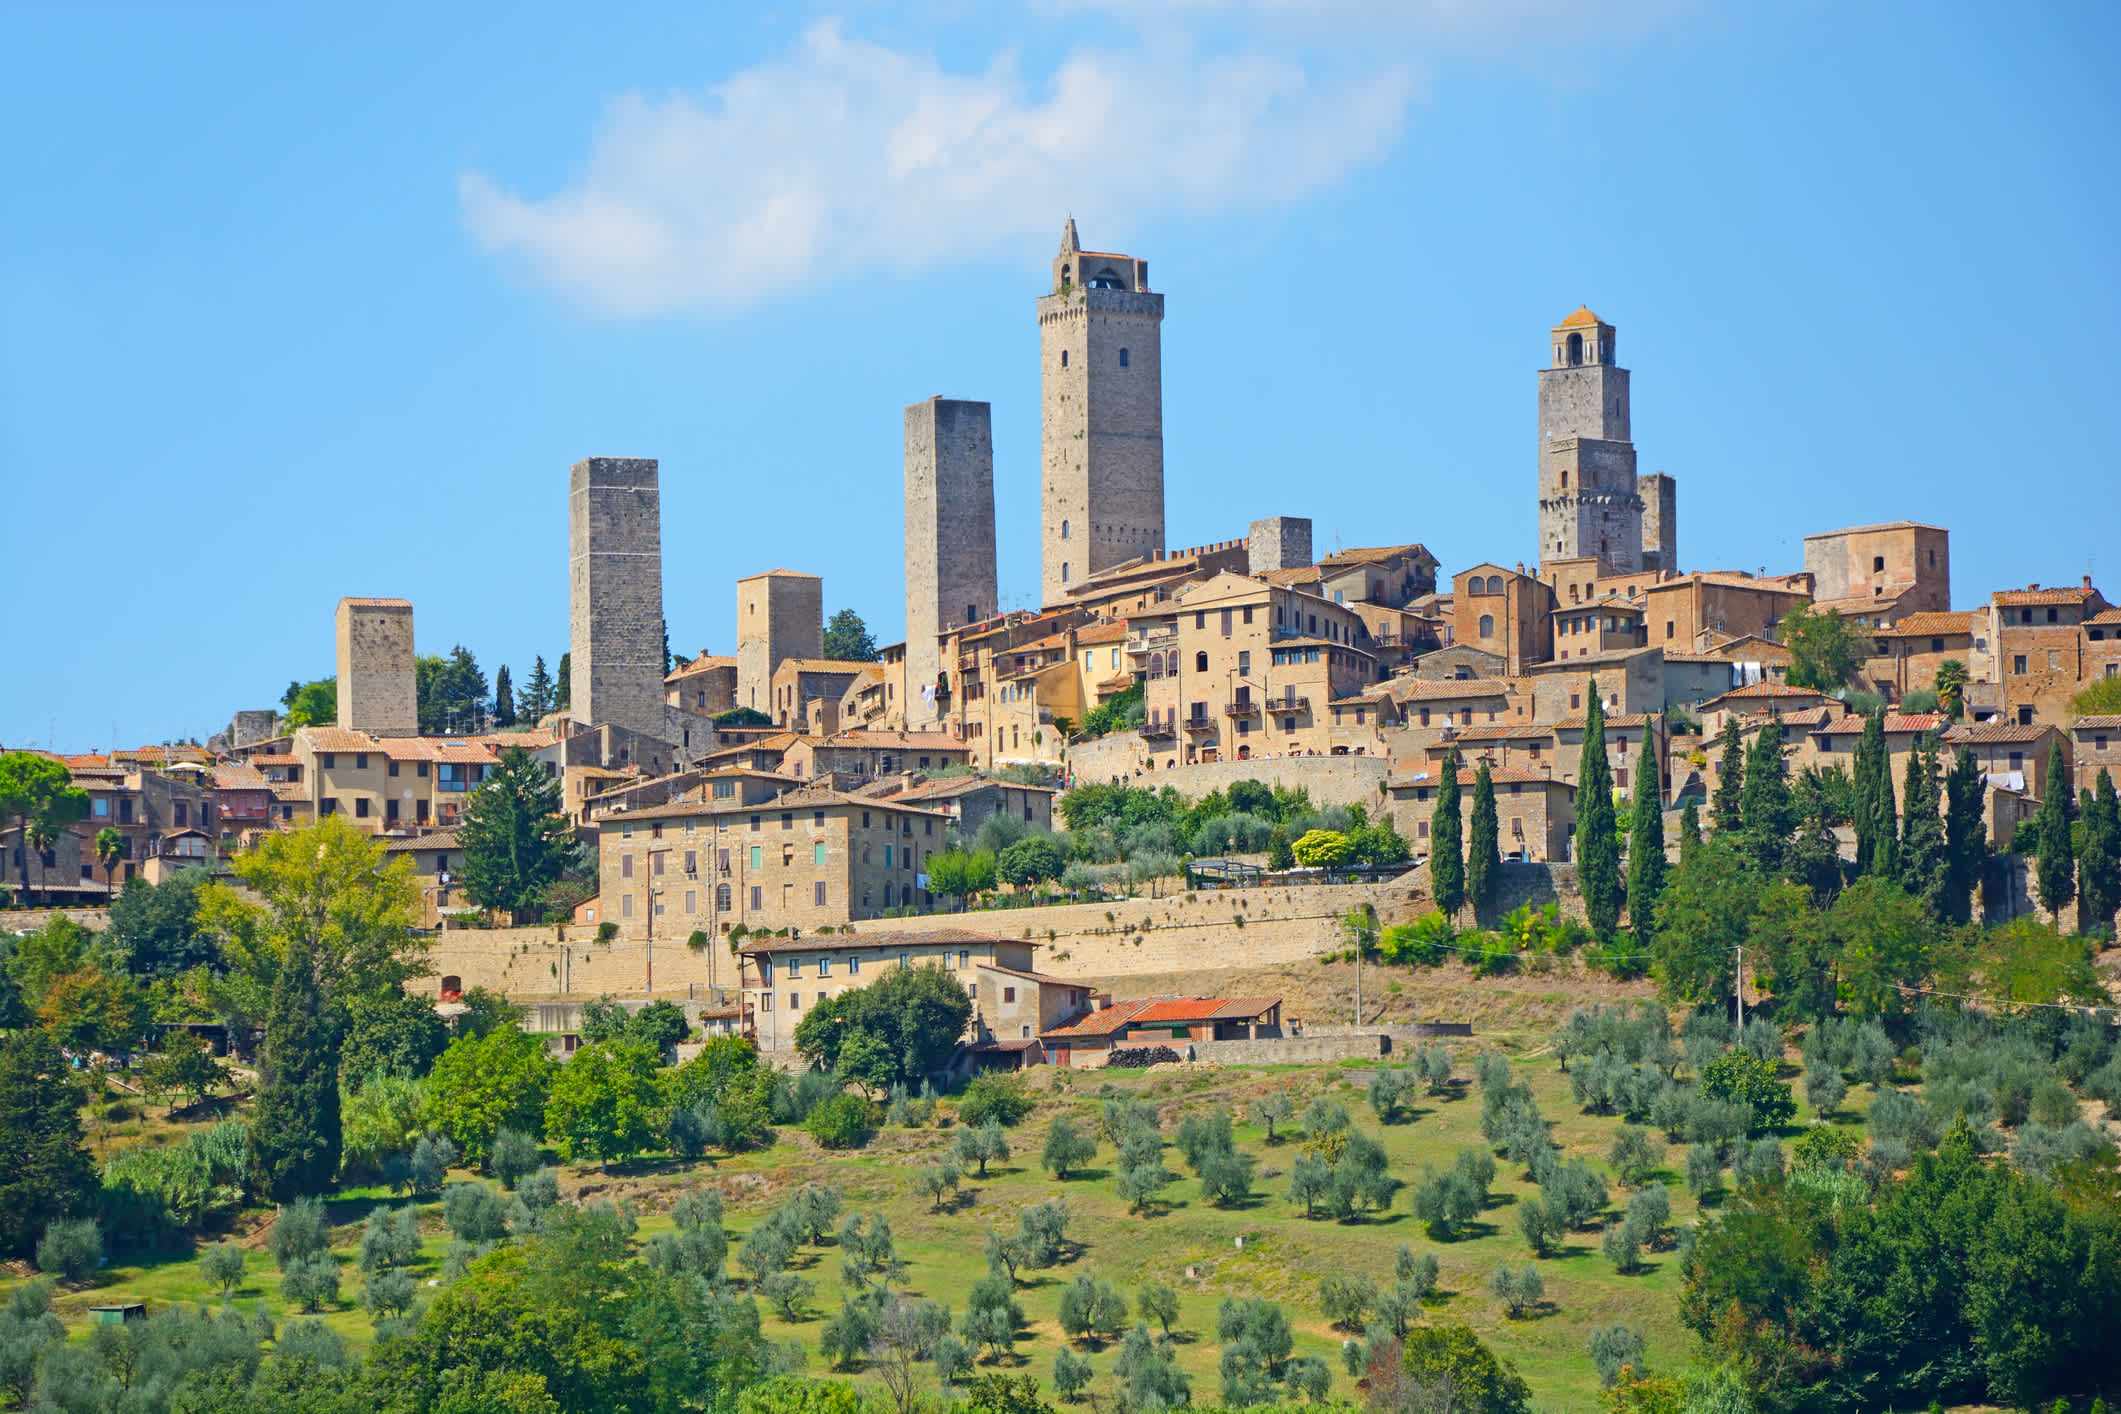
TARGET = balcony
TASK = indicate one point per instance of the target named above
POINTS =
(1280, 706)
(1161, 640)
(1159, 728)
(1243, 707)
(1200, 724)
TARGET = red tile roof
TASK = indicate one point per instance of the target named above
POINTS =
(1106, 631)
(1927, 623)
(880, 942)
(1105, 1022)
(2101, 722)
(1581, 319)
(1997, 732)
(1910, 724)
(2026, 598)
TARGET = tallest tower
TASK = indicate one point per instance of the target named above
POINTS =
(1589, 503)
(1101, 380)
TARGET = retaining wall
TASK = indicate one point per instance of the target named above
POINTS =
(1331, 780)
(1289, 1050)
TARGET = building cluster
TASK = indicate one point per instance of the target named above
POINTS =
(773, 788)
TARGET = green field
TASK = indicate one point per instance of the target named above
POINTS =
(1264, 1248)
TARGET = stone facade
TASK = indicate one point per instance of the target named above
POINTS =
(253, 726)
(950, 561)
(1279, 543)
(1102, 440)
(615, 593)
(377, 692)
(1902, 561)
(1590, 502)
(1660, 521)
(779, 615)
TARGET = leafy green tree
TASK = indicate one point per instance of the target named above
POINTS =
(1965, 837)
(451, 692)
(1882, 938)
(1768, 812)
(155, 927)
(1158, 1302)
(1924, 860)
(1279, 855)
(483, 1084)
(45, 1173)
(893, 1031)
(1322, 849)
(1597, 846)
(185, 1067)
(1483, 840)
(1447, 865)
(2102, 698)
(294, 1130)
(516, 840)
(92, 1008)
(504, 698)
(605, 1103)
(1741, 1076)
(536, 699)
(1067, 1148)
(848, 639)
(1646, 862)
(1824, 649)
(1034, 859)
(310, 704)
(38, 791)
(2099, 864)
(1726, 804)
(1452, 1357)
(2054, 863)
(390, 1033)
(1703, 917)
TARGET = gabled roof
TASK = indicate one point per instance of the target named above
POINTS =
(1761, 692)
(881, 942)
(2000, 733)
(1443, 689)
(2028, 598)
(1375, 555)
(1927, 623)
(1581, 720)
(1105, 1022)
(1103, 631)
(701, 664)
(2102, 723)
(439, 839)
(1913, 723)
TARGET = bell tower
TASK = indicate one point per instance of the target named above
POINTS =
(1589, 502)
(1102, 430)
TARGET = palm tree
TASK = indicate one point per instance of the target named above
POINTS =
(38, 836)
(1951, 686)
(111, 847)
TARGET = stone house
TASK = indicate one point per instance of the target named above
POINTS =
(1834, 742)
(1692, 612)
(706, 686)
(1759, 699)
(800, 686)
(1904, 563)
(1087, 1041)
(1458, 661)
(971, 801)
(1630, 680)
(1907, 652)
(782, 978)
(2095, 746)
(2012, 756)
(2041, 645)
(436, 859)
(1504, 612)
(399, 785)
(243, 802)
(1389, 576)
(1597, 628)
(1535, 812)
(872, 755)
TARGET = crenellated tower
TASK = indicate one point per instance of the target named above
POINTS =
(1590, 503)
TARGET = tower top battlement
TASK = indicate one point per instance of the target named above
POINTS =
(1076, 268)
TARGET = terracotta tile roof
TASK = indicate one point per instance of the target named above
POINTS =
(274, 758)
(336, 739)
(460, 752)
(879, 942)
(2101, 722)
(1581, 319)
(235, 775)
(1106, 1022)
(290, 790)
(1501, 775)
(899, 741)
(2027, 598)
(1377, 697)
(1104, 631)
(529, 738)
(822, 665)
(1446, 689)
(1118, 684)
(701, 664)
(1808, 717)
(1375, 555)
(440, 839)
(1866, 529)
(1997, 732)
(1178, 1009)
(1927, 623)
(1038, 977)
(1579, 721)
(74, 762)
(1504, 733)
(1911, 724)
(1858, 605)
(2105, 616)
(1763, 690)
(1294, 575)
(1319, 643)
(951, 786)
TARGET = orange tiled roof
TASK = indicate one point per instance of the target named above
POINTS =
(2101, 722)
(1439, 689)
(337, 739)
(1103, 631)
(1111, 1019)
(2105, 616)
(1910, 724)
(700, 664)
(1581, 319)
(1766, 689)
(1927, 623)
(1997, 732)
(1296, 574)
(2027, 598)
(1580, 720)
(1374, 555)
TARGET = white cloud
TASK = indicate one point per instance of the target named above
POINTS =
(848, 156)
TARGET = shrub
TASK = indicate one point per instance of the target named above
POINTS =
(1623, 1247)
(1615, 1348)
(1542, 1230)
(1704, 1168)
(1744, 1078)
(841, 1122)
(71, 1249)
(1067, 1148)
(475, 1212)
(311, 1282)
(1519, 1290)
(513, 1155)
(298, 1231)
(1634, 1154)
(996, 1095)
(1391, 1090)
(221, 1266)
(1347, 1301)
(1072, 1374)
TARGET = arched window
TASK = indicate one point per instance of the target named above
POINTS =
(1107, 279)
(1575, 349)
(1200, 661)
(1122, 358)
(1156, 665)
(1065, 273)
(1064, 572)
(1064, 358)
(1487, 625)
(1064, 530)
(452, 986)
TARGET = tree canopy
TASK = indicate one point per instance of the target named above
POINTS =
(1824, 649)
(517, 843)
(895, 1031)
(848, 639)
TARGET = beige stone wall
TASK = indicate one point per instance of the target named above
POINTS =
(779, 615)
(950, 558)
(376, 681)
(615, 593)
(1102, 440)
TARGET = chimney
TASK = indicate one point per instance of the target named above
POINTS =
(2087, 581)
(2034, 585)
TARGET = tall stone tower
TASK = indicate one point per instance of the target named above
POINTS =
(950, 566)
(377, 694)
(779, 615)
(615, 594)
(1278, 543)
(1102, 447)
(1589, 502)
(1660, 521)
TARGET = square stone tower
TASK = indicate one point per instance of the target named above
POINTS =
(950, 566)
(1589, 503)
(1660, 521)
(1278, 543)
(1102, 440)
(615, 594)
(779, 615)
(376, 686)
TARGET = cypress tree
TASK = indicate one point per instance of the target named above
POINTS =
(1483, 837)
(562, 699)
(1726, 804)
(45, 1173)
(1765, 804)
(1447, 865)
(1689, 829)
(537, 692)
(1876, 822)
(2099, 866)
(1646, 848)
(2055, 863)
(504, 699)
(1924, 860)
(1965, 837)
(1597, 847)
(294, 1128)
(1814, 856)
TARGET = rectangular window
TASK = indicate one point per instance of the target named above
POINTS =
(758, 856)
(2018, 664)
(625, 866)
(1421, 830)
(655, 861)
(758, 897)
(854, 964)
(795, 968)
(1008, 994)
(817, 854)
(392, 768)
(360, 761)
(787, 819)
(1248, 613)
(419, 769)
(692, 861)
(331, 761)
(692, 900)
(795, 1001)
(390, 811)
(817, 817)
(1244, 661)
(887, 856)
(818, 890)
(754, 824)
(625, 905)
(360, 807)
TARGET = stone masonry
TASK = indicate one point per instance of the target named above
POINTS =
(779, 615)
(377, 693)
(1102, 437)
(1660, 521)
(950, 562)
(1279, 543)
(1589, 502)
(615, 593)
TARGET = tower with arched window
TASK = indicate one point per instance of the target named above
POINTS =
(1589, 502)
(1102, 435)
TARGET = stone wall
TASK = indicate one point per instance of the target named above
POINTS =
(1289, 1050)
(950, 559)
(29, 920)
(615, 593)
(376, 686)
(1332, 780)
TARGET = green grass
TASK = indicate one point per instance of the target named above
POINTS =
(1283, 1256)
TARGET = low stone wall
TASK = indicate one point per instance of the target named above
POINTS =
(29, 920)
(1289, 1050)
(1331, 780)
(554, 962)
(1410, 1031)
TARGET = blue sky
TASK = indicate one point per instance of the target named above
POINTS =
(298, 306)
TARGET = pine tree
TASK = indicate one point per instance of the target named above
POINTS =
(1925, 863)
(2099, 866)
(1447, 866)
(1483, 840)
(515, 839)
(1597, 847)
(504, 701)
(294, 1127)
(1726, 803)
(45, 1173)
(1689, 829)
(2054, 863)
(1813, 859)
(537, 693)
(1766, 806)
(1646, 848)
(1965, 837)
(562, 696)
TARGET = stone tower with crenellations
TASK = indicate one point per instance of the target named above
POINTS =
(1102, 442)
(1590, 500)
(615, 594)
(950, 563)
